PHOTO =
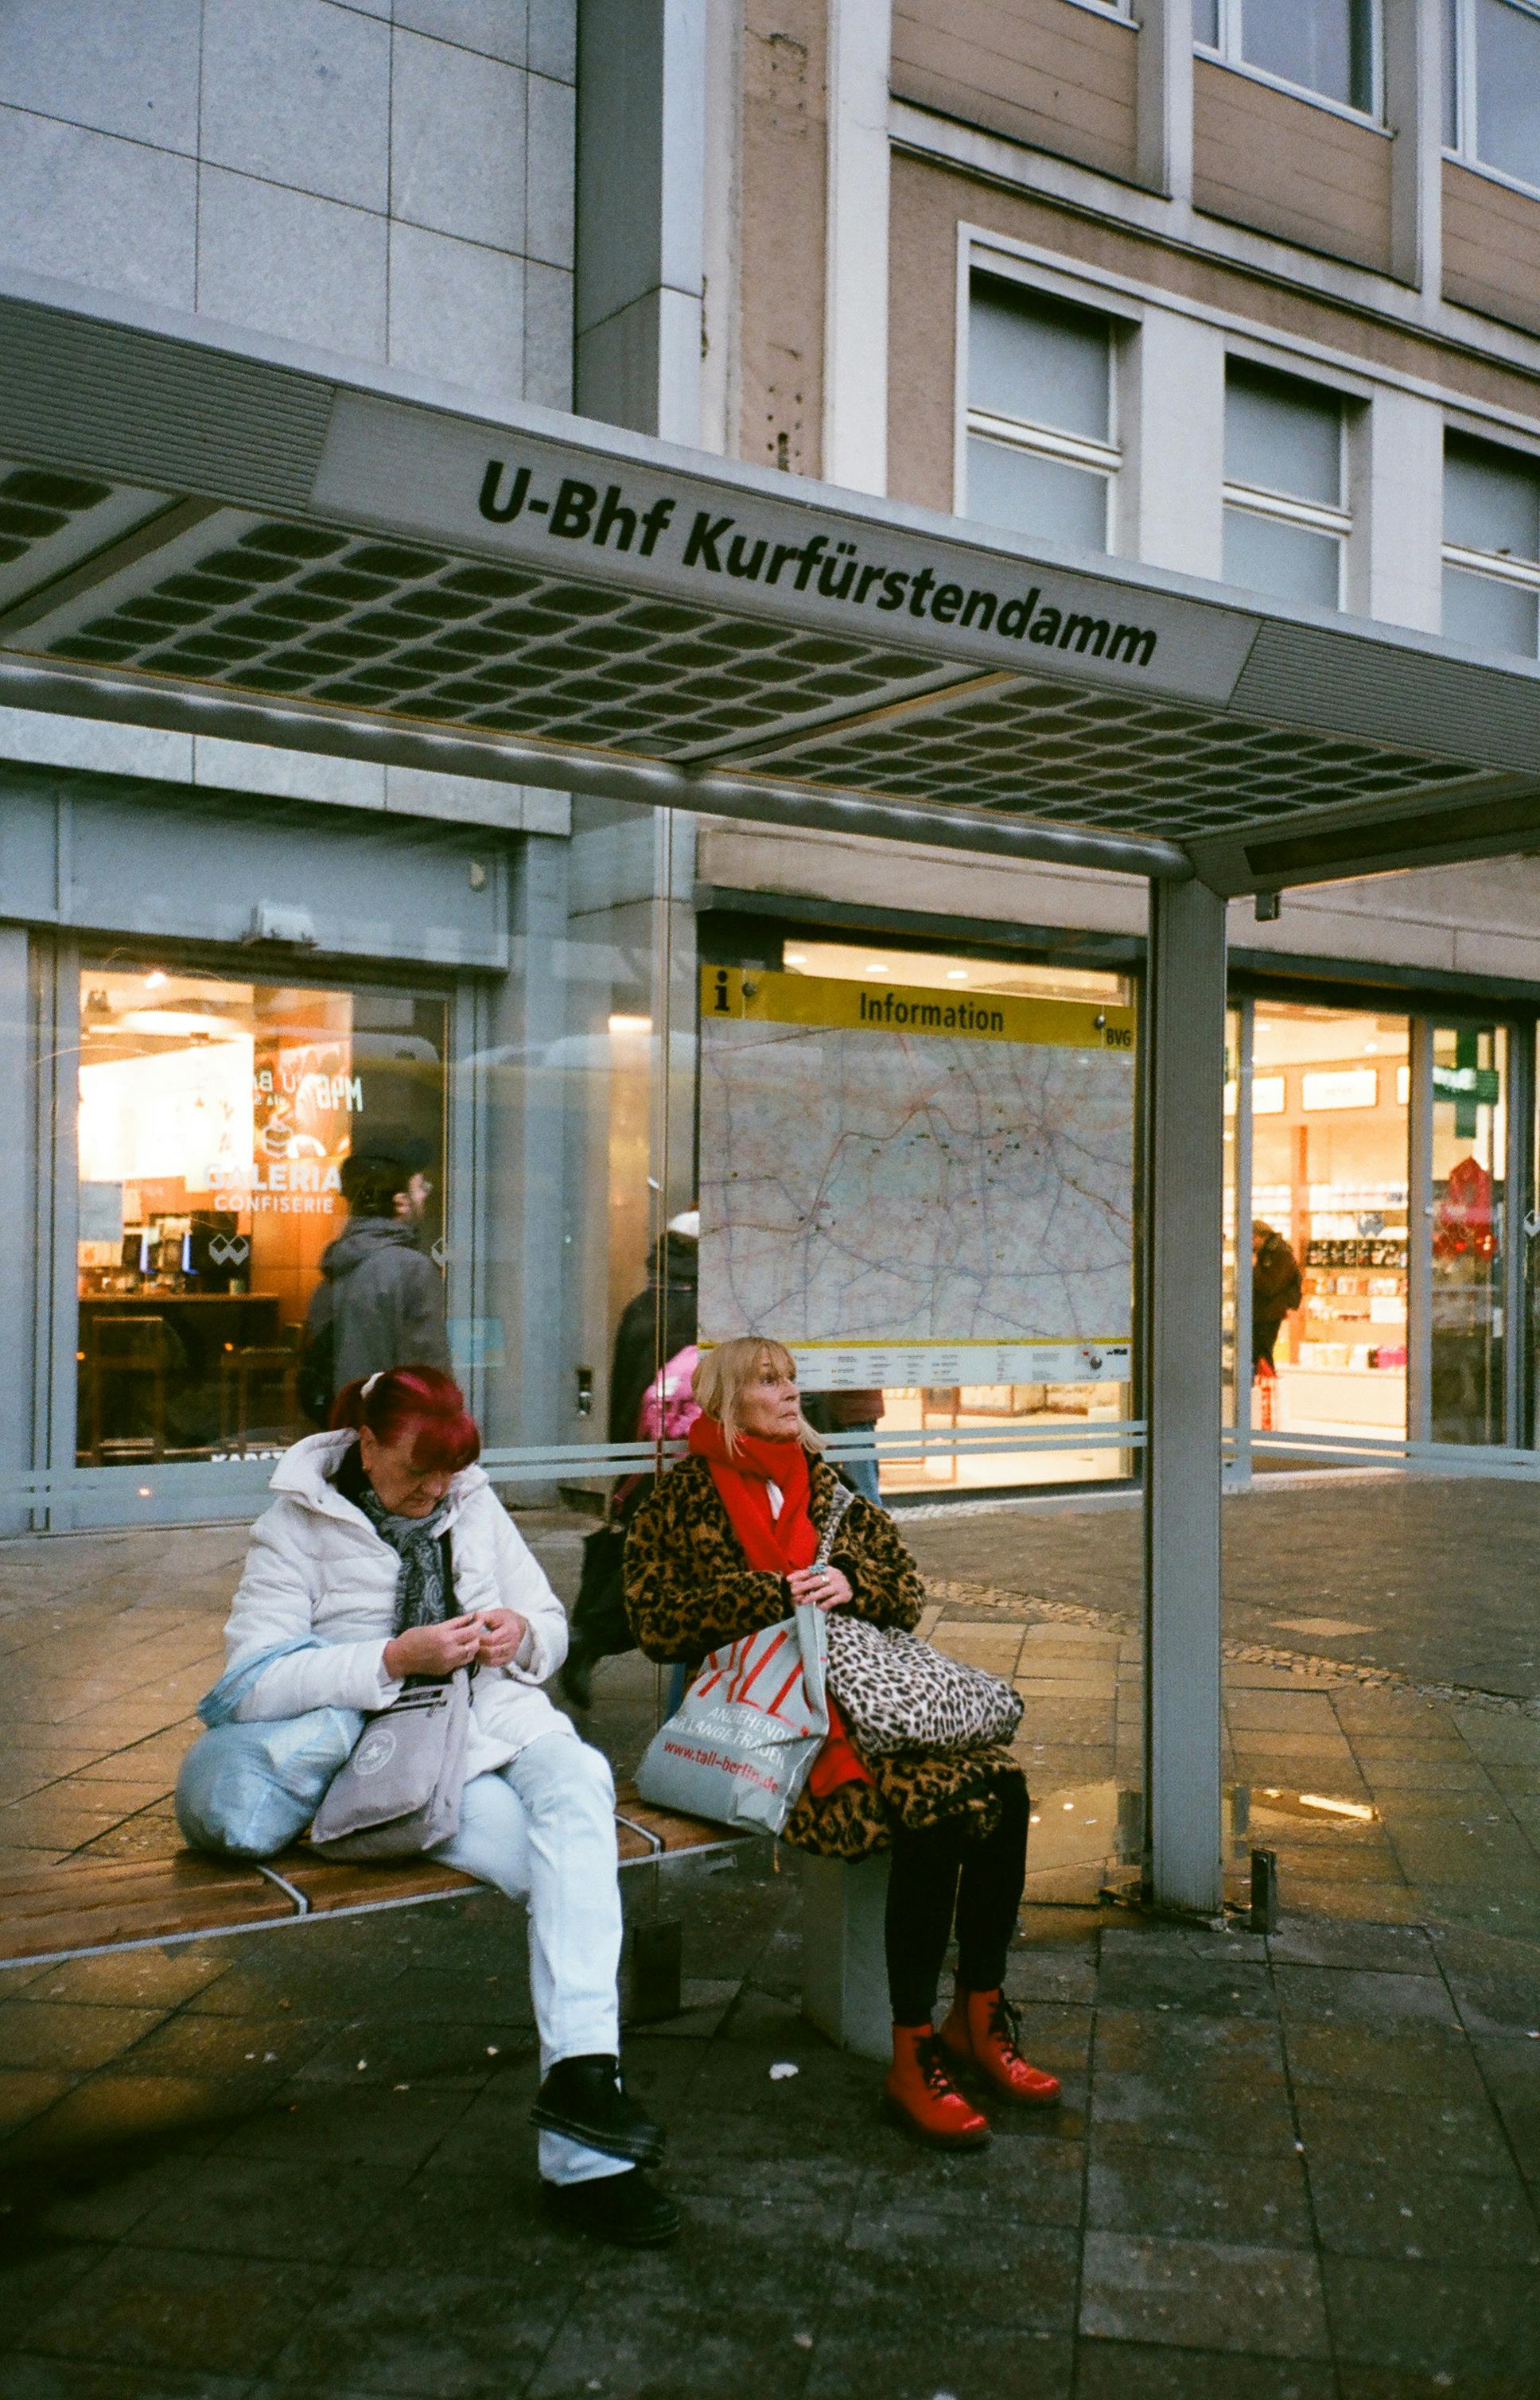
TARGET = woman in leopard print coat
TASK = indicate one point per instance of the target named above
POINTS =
(955, 1820)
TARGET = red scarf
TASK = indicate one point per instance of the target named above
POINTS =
(742, 1477)
(775, 1545)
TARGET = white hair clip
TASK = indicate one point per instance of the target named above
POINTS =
(372, 1382)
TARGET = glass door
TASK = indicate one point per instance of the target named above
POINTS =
(1466, 1216)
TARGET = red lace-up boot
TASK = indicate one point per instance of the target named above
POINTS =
(921, 2095)
(981, 2031)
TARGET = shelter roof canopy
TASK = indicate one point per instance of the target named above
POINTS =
(295, 549)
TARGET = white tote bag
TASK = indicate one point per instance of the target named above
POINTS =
(741, 1742)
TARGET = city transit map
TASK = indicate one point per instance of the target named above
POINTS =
(906, 1184)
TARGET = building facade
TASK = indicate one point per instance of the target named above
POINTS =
(1138, 281)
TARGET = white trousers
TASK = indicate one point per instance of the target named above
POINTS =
(542, 1829)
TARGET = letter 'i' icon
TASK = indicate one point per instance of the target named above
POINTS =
(721, 1007)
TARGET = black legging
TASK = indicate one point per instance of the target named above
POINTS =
(940, 1874)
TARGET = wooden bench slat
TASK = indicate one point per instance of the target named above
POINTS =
(86, 1904)
(331, 1887)
(94, 1905)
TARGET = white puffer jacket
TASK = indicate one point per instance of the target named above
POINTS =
(317, 1566)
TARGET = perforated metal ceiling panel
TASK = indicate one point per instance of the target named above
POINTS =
(49, 521)
(268, 606)
(1093, 758)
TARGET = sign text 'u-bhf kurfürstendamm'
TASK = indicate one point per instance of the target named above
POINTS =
(712, 544)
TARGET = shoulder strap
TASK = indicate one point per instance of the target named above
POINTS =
(837, 1505)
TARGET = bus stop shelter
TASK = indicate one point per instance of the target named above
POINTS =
(650, 625)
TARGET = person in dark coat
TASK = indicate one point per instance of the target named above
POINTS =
(1277, 1290)
(675, 1265)
(600, 1626)
(380, 1302)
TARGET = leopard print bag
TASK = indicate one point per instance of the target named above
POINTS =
(895, 1692)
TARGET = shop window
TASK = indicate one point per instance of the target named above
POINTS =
(217, 1120)
(1042, 456)
(1329, 1115)
(1492, 548)
(1286, 524)
(1326, 47)
(1491, 85)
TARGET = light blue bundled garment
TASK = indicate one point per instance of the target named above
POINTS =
(250, 1789)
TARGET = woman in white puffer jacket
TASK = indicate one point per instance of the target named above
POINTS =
(344, 1595)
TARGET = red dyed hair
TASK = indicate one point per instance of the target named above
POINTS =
(417, 1403)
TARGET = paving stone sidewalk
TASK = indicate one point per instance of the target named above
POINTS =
(298, 2162)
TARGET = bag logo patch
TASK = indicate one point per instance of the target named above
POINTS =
(374, 1751)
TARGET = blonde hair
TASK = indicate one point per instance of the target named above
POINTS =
(725, 1372)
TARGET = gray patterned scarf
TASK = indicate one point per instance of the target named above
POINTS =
(424, 1593)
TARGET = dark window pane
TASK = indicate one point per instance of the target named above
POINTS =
(1490, 501)
(1030, 358)
(1032, 495)
(1283, 436)
(1325, 45)
(1289, 561)
(1508, 89)
(1487, 614)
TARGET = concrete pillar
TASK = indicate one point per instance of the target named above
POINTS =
(641, 157)
(1396, 556)
(1413, 79)
(1163, 98)
(1172, 510)
(844, 1962)
(525, 1391)
(855, 312)
(1182, 1312)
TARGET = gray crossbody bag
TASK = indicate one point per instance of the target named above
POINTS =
(398, 1792)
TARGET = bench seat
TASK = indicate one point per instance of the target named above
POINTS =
(85, 1906)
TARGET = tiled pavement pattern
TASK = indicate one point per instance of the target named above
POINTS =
(297, 2163)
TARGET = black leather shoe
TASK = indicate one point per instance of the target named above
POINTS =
(625, 2208)
(585, 2099)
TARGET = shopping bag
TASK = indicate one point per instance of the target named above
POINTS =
(741, 1743)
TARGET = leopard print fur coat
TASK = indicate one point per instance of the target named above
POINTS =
(690, 1589)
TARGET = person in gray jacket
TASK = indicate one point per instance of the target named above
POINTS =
(380, 1302)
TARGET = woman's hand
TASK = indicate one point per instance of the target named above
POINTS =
(435, 1649)
(825, 1586)
(502, 1631)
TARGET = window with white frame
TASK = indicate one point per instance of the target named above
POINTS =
(1042, 454)
(1491, 85)
(1327, 48)
(1491, 547)
(1286, 518)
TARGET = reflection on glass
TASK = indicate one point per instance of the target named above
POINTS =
(216, 1119)
(1329, 1167)
(1469, 1177)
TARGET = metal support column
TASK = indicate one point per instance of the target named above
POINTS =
(1241, 1300)
(1183, 1290)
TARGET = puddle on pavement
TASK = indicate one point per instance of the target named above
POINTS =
(1092, 1824)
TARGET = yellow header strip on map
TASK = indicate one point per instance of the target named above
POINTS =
(763, 997)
